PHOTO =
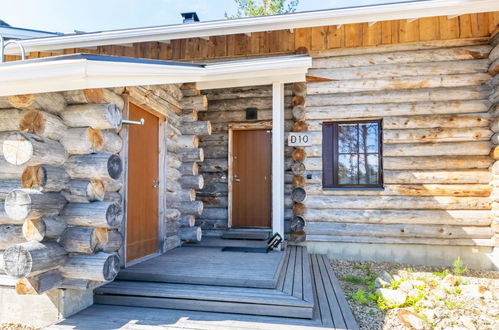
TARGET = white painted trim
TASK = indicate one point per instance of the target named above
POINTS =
(278, 158)
(360, 14)
(80, 73)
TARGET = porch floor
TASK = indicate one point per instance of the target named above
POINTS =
(330, 310)
(209, 266)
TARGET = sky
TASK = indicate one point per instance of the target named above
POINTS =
(97, 15)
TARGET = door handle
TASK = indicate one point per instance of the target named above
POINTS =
(236, 179)
(155, 183)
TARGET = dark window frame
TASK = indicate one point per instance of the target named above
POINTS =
(330, 153)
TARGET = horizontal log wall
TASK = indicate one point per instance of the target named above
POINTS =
(437, 131)
(228, 106)
(316, 39)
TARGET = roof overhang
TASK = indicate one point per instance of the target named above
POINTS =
(80, 71)
(362, 14)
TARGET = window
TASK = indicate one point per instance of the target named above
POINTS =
(352, 154)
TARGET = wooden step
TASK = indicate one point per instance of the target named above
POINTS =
(291, 297)
(250, 301)
(249, 234)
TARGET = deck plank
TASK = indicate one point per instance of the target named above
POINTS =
(282, 276)
(345, 308)
(298, 274)
(307, 278)
(289, 279)
(334, 306)
(322, 301)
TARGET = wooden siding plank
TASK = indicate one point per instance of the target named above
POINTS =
(408, 31)
(335, 37)
(372, 34)
(303, 38)
(449, 27)
(386, 32)
(428, 28)
(353, 35)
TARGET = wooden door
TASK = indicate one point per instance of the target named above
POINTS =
(252, 182)
(142, 191)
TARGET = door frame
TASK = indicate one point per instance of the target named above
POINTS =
(162, 162)
(263, 125)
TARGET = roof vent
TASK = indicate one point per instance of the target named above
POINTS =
(190, 17)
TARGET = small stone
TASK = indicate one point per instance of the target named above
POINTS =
(403, 274)
(473, 290)
(397, 278)
(385, 276)
(393, 297)
(417, 283)
(450, 280)
(410, 319)
(413, 293)
(430, 314)
(406, 286)
(380, 283)
(439, 293)
(467, 322)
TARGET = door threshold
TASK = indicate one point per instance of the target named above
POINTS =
(141, 259)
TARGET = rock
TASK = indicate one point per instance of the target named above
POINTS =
(406, 286)
(467, 322)
(417, 283)
(404, 274)
(439, 293)
(393, 297)
(383, 280)
(473, 290)
(413, 293)
(385, 276)
(450, 280)
(410, 319)
(430, 314)
(397, 278)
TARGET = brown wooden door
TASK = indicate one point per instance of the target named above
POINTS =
(142, 199)
(252, 182)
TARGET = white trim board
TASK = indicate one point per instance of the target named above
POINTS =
(340, 16)
(73, 72)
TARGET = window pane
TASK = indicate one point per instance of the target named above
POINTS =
(347, 138)
(368, 169)
(368, 137)
(347, 169)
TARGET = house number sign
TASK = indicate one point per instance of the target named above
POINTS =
(299, 139)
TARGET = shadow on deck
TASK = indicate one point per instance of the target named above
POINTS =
(294, 289)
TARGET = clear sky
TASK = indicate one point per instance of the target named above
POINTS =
(97, 15)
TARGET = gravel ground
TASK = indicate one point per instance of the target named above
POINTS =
(455, 310)
(13, 326)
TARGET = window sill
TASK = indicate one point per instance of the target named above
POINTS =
(354, 188)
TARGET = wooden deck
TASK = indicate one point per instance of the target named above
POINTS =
(306, 295)
(209, 266)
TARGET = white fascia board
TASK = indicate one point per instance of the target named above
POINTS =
(364, 14)
(71, 74)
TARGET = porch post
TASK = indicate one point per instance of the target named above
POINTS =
(278, 158)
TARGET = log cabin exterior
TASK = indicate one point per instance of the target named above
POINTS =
(78, 204)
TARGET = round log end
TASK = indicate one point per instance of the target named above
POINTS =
(298, 168)
(298, 195)
(94, 95)
(21, 101)
(95, 139)
(17, 261)
(299, 209)
(114, 215)
(300, 126)
(34, 229)
(299, 112)
(33, 121)
(115, 166)
(111, 267)
(18, 204)
(17, 148)
(298, 181)
(299, 154)
(113, 115)
(33, 176)
(208, 128)
(298, 100)
(297, 223)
